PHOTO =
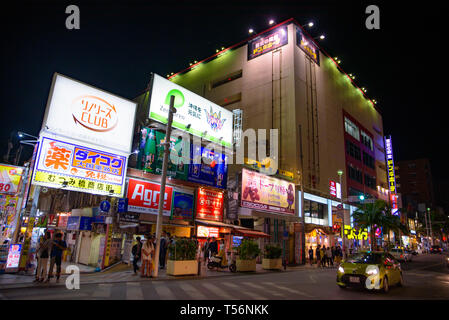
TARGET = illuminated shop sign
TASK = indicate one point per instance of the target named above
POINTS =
(194, 114)
(10, 177)
(62, 164)
(391, 176)
(333, 188)
(207, 232)
(209, 204)
(143, 197)
(84, 113)
(355, 234)
(307, 46)
(267, 42)
(266, 193)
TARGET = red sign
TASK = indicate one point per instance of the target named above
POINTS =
(333, 188)
(209, 205)
(143, 197)
(62, 220)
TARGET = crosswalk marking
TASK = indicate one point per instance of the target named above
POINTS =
(252, 294)
(192, 291)
(103, 291)
(218, 291)
(163, 292)
(134, 291)
(288, 289)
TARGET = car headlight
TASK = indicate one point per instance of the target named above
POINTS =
(372, 270)
(340, 269)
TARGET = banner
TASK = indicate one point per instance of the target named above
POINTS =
(209, 205)
(182, 208)
(10, 178)
(143, 197)
(267, 42)
(308, 46)
(266, 193)
(194, 114)
(213, 174)
(63, 164)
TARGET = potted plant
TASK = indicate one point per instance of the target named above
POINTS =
(247, 253)
(182, 258)
(272, 257)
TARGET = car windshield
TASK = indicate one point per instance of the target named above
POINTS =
(365, 258)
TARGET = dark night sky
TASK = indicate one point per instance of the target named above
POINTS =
(120, 43)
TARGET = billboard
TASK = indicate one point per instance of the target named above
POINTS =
(182, 208)
(209, 204)
(84, 113)
(143, 197)
(391, 176)
(10, 177)
(194, 114)
(214, 173)
(266, 193)
(308, 46)
(78, 168)
(267, 42)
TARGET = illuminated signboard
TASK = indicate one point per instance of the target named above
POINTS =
(10, 177)
(308, 46)
(391, 176)
(194, 114)
(73, 167)
(13, 256)
(333, 188)
(266, 193)
(84, 113)
(355, 234)
(143, 197)
(267, 42)
(207, 232)
(209, 204)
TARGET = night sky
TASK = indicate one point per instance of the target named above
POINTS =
(120, 43)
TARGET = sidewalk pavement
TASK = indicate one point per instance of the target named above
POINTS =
(124, 273)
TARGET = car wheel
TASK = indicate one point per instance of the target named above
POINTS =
(386, 287)
(401, 280)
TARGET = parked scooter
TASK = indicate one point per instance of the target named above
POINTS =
(215, 262)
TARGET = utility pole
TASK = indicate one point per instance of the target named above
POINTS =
(430, 227)
(171, 111)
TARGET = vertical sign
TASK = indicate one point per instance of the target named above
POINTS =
(333, 188)
(391, 176)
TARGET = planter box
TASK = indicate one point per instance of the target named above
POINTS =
(182, 267)
(272, 264)
(246, 265)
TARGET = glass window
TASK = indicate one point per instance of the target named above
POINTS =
(352, 129)
(367, 141)
(366, 258)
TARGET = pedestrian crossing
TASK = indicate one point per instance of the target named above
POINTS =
(198, 290)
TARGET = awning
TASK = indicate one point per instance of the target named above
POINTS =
(167, 224)
(251, 233)
(216, 224)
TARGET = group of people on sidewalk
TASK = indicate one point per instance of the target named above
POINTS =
(52, 249)
(210, 249)
(145, 252)
(326, 256)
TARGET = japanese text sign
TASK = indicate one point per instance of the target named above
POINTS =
(333, 188)
(355, 234)
(308, 46)
(267, 42)
(390, 164)
(10, 177)
(207, 232)
(13, 256)
(266, 193)
(209, 204)
(77, 168)
(143, 197)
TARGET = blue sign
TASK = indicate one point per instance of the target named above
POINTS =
(105, 206)
(214, 173)
(122, 205)
(85, 223)
(73, 223)
(182, 206)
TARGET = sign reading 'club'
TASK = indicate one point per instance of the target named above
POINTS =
(94, 113)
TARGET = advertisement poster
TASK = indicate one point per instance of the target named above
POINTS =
(84, 113)
(266, 193)
(10, 177)
(182, 206)
(194, 114)
(209, 205)
(151, 154)
(143, 197)
(267, 42)
(14, 256)
(214, 173)
(207, 232)
(307, 46)
(63, 164)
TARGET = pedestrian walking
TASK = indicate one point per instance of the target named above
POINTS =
(213, 247)
(329, 257)
(311, 255)
(206, 251)
(318, 255)
(163, 250)
(43, 253)
(338, 255)
(136, 252)
(323, 256)
(147, 257)
(58, 247)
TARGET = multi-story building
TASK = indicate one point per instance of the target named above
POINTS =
(281, 79)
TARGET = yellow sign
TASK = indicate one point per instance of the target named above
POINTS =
(357, 234)
(108, 246)
(10, 177)
(266, 165)
(57, 181)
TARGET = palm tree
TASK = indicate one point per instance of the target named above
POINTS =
(369, 215)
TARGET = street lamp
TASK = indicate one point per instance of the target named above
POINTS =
(310, 24)
(321, 37)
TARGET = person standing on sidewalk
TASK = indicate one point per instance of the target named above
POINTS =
(329, 257)
(136, 252)
(318, 255)
(43, 252)
(147, 257)
(58, 247)
(311, 255)
(163, 250)
(323, 256)
(206, 251)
